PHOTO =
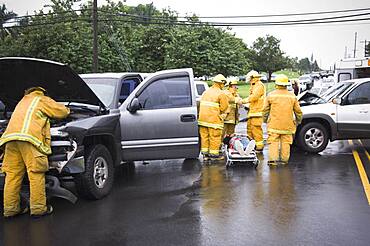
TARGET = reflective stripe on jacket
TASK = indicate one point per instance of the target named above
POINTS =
(233, 109)
(279, 110)
(30, 121)
(213, 103)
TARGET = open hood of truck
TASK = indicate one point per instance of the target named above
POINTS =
(62, 84)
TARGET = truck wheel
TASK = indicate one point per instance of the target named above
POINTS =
(97, 180)
(313, 137)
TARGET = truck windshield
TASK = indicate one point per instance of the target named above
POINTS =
(104, 88)
(336, 90)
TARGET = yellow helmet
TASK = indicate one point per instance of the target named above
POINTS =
(252, 74)
(219, 78)
(36, 88)
(231, 81)
(282, 79)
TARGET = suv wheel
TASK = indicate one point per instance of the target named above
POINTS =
(313, 137)
(97, 180)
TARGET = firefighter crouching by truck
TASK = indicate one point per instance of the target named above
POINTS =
(279, 110)
(257, 93)
(213, 105)
(27, 144)
(232, 113)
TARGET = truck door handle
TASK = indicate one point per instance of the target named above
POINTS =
(188, 118)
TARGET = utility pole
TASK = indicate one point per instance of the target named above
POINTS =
(95, 36)
(354, 50)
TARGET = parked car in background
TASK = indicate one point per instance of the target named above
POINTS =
(264, 78)
(273, 76)
(201, 86)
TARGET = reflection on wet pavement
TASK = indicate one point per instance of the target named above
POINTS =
(315, 200)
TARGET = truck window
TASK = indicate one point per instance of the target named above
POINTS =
(128, 85)
(200, 89)
(172, 92)
(344, 76)
(360, 95)
(363, 72)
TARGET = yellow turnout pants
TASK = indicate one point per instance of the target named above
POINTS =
(210, 140)
(279, 146)
(19, 158)
(254, 131)
(228, 129)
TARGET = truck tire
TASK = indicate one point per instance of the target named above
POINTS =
(97, 180)
(313, 137)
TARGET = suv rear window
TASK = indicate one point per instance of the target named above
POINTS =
(200, 89)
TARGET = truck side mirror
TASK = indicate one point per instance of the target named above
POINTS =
(134, 105)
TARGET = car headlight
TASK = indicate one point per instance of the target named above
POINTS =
(58, 132)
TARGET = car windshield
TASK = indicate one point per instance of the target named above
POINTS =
(304, 77)
(104, 88)
(336, 90)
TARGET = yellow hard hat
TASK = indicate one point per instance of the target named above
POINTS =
(32, 89)
(219, 78)
(231, 81)
(252, 74)
(282, 79)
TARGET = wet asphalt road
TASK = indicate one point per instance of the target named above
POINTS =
(315, 200)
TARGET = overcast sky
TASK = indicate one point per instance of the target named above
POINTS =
(326, 42)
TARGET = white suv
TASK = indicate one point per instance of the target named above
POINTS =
(342, 112)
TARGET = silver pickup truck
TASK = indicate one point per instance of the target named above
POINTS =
(115, 118)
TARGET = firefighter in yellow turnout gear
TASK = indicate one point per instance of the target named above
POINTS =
(27, 144)
(257, 93)
(282, 114)
(232, 113)
(213, 105)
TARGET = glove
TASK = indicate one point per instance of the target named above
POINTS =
(239, 101)
(245, 100)
(222, 116)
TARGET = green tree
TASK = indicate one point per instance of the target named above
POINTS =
(292, 63)
(207, 50)
(315, 66)
(304, 65)
(127, 41)
(267, 55)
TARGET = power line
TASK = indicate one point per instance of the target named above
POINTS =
(51, 13)
(188, 24)
(279, 15)
(168, 21)
(237, 24)
(201, 17)
(251, 16)
(246, 23)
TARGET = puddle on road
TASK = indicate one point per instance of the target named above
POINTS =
(235, 200)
